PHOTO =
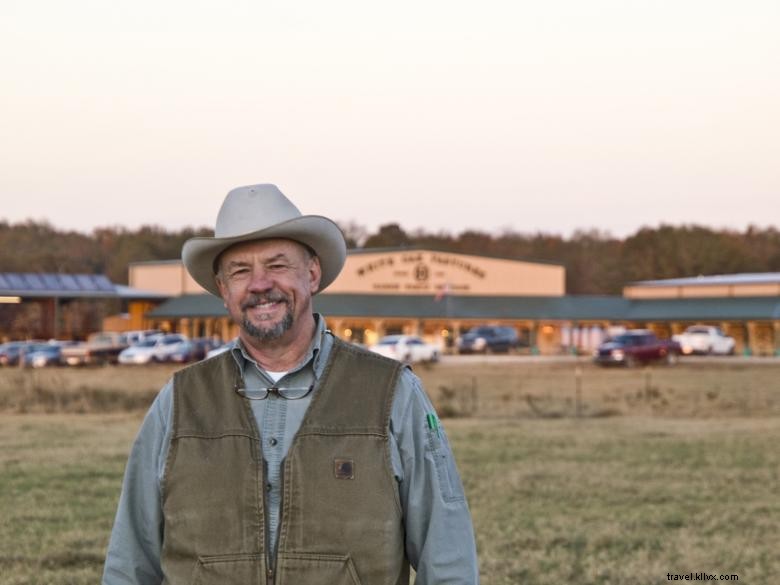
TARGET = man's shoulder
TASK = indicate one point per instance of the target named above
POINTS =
(363, 354)
(206, 367)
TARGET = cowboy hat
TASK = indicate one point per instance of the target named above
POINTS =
(259, 212)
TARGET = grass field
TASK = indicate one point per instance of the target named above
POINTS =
(620, 497)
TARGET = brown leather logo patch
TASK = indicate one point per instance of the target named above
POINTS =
(344, 468)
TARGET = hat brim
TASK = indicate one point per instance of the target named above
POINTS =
(319, 233)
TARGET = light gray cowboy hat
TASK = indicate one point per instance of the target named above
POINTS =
(259, 212)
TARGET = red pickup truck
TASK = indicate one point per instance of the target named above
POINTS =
(637, 346)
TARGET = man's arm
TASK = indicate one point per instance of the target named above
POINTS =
(133, 555)
(439, 534)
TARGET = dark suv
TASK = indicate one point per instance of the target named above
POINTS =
(488, 338)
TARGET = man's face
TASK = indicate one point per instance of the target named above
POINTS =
(267, 287)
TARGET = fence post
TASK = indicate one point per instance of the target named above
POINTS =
(578, 391)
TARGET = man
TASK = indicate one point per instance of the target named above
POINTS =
(293, 458)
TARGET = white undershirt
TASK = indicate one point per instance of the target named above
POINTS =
(275, 376)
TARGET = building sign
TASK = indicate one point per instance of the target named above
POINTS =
(420, 272)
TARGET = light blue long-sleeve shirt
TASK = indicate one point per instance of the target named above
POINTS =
(439, 534)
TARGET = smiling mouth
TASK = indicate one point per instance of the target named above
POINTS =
(266, 305)
(259, 304)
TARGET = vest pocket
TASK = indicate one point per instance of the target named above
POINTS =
(316, 569)
(233, 569)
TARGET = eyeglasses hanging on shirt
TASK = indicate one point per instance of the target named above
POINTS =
(289, 393)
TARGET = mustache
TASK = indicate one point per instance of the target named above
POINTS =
(256, 299)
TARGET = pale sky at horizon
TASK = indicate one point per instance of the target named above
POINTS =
(529, 116)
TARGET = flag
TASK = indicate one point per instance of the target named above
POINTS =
(442, 292)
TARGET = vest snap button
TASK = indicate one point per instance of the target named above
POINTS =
(273, 442)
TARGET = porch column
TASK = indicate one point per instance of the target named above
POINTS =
(776, 327)
(751, 338)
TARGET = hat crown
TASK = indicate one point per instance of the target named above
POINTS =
(258, 212)
(252, 208)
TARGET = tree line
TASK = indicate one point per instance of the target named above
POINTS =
(595, 261)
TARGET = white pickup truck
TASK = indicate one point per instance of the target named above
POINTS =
(705, 339)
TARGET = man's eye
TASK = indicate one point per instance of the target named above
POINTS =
(239, 273)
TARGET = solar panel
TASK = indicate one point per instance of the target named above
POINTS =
(51, 280)
(42, 284)
(34, 281)
(68, 282)
(103, 283)
(16, 280)
(85, 282)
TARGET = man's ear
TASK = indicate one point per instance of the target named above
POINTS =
(220, 286)
(315, 274)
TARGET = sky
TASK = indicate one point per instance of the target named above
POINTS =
(522, 115)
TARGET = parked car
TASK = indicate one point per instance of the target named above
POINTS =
(40, 355)
(488, 339)
(100, 348)
(636, 346)
(10, 351)
(153, 349)
(141, 352)
(406, 348)
(135, 336)
(193, 350)
(705, 339)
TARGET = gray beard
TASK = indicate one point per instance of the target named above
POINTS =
(268, 333)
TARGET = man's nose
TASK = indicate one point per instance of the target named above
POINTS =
(260, 281)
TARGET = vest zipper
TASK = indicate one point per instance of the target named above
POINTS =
(272, 570)
(269, 567)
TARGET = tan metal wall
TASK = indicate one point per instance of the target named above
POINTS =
(701, 291)
(164, 277)
(418, 272)
(428, 272)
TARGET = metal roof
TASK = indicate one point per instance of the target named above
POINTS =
(130, 293)
(445, 250)
(194, 305)
(69, 286)
(394, 250)
(705, 309)
(567, 308)
(34, 284)
(717, 279)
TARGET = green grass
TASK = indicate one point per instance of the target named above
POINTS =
(622, 500)
(59, 480)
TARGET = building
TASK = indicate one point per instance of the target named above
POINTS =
(745, 306)
(431, 293)
(49, 296)
(439, 294)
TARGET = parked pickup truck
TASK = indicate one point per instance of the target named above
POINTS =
(100, 348)
(637, 346)
(703, 339)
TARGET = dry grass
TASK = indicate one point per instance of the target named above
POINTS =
(685, 485)
(474, 388)
(693, 389)
(59, 481)
(81, 390)
(619, 500)
(622, 501)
